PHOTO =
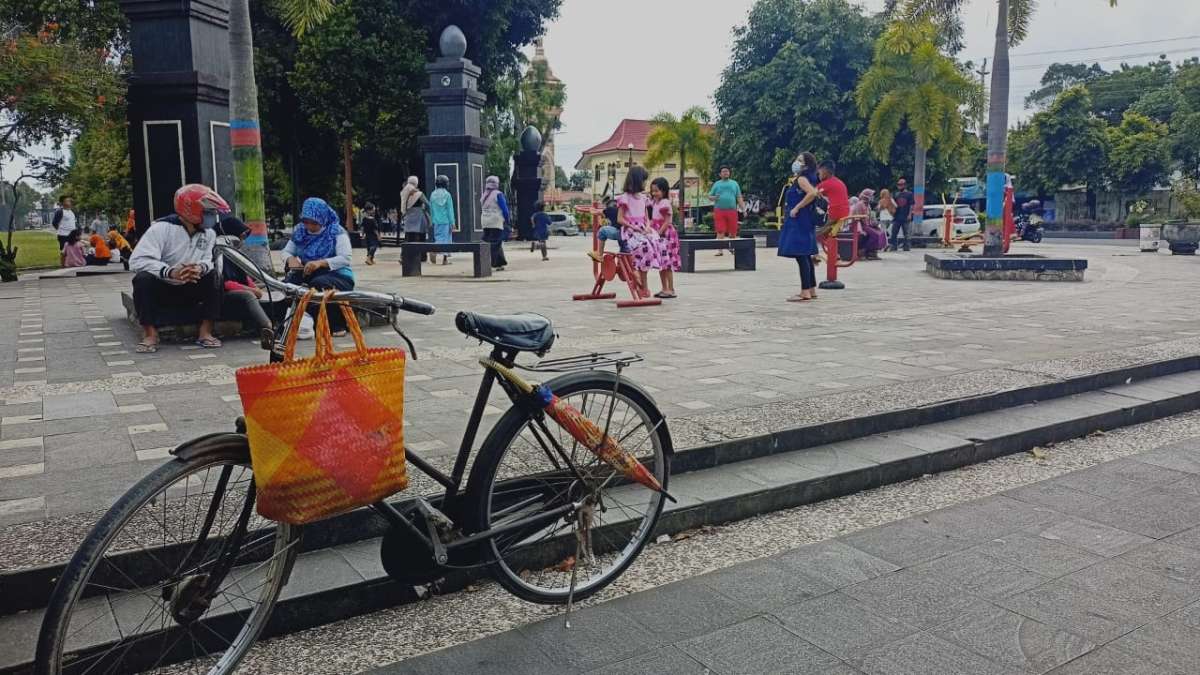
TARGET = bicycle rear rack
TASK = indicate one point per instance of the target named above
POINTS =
(594, 361)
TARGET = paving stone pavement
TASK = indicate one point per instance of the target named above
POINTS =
(83, 416)
(1092, 572)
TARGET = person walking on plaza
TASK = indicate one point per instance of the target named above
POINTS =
(370, 230)
(643, 242)
(887, 213)
(494, 216)
(412, 207)
(903, 216)
(64, 224)
(541, 229)
(727, 202)
(441, 212)
(662, 223)
(319, 255)
(174, 268)
(798, 236)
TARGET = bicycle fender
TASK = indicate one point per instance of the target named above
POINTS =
(198, 447)
(563, 380)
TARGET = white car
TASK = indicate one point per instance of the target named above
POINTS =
(966, 221)
(563, 224)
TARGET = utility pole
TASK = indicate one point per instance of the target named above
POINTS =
(982, 73)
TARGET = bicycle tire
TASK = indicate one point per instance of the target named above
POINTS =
(204, 454)
(496, 448)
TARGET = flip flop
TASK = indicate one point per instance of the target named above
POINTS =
(209, 343)
(796, 298)
(146, 348)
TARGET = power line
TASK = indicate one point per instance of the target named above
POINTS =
(1119, 57)
(1098, 47)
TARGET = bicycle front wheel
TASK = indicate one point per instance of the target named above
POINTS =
(180, 569)
(520, 473)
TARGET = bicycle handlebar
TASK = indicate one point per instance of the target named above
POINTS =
(366, 299)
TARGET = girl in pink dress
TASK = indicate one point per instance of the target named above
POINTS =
(660, 222)
(642, 240)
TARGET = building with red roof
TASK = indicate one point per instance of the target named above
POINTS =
(608, 162)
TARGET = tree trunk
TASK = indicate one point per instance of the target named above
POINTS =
(244, 134)
(918, 209)
(997, 157)
(1090, 199)
(348, 183)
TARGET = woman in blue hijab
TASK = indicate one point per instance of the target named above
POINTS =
(318, 255)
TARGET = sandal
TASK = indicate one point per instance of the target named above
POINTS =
(209, 342)
(339, 333)
(666, 296)
(798, 298)
(144, 347)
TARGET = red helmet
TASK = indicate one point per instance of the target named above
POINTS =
(192, 200)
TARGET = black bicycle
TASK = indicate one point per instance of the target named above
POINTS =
(182, 568)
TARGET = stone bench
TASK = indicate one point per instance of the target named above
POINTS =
(771, 234)
(742, 247)
(413, 253)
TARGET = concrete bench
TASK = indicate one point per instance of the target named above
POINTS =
(413, 253)
(770, 234)
(742, 247)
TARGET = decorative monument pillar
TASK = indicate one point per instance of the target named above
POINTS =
(527, 180)
(453, 147)
(178, 101)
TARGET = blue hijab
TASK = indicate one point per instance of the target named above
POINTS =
(323, 244)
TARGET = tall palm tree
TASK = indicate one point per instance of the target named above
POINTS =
(1012, 25)
(911, 82)
(687, 137)
(245, 138)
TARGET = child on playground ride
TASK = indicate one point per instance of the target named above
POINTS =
(835, 193)
(643, 242)
(608, 232)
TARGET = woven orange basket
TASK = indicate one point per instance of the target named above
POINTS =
(326, 433)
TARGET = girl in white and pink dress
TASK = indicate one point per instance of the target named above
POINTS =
(639, 236)
(660, 222)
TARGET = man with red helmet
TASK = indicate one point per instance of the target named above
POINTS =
(174, 268)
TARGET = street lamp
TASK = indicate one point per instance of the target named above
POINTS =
(631, 155)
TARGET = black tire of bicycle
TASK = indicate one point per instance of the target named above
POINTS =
(206, 450)
(506, 430)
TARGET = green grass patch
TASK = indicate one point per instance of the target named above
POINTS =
(35, 248)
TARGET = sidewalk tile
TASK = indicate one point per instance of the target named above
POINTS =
(1170, 646)
(758, 645)
(1149, 593)
(1098, 618)
(981, 575)
(680, 610)
(1109, 660)
(906, 542)
(1014, 640)
(598, 636)
(1049, 558)
(1091, 536)
(503, 654)
(834, 563)
(924, 654)
(843, 626)
(915, 596)
(764, 585)
(663, 661)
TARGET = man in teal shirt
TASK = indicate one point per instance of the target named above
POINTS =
(727, 201)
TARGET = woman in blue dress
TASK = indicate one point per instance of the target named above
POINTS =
(798, 236)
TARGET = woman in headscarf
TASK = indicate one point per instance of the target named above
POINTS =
(798, 237)
(412, 207)
(494, 217)
(871, 238)
(441, 207)
(318, 255)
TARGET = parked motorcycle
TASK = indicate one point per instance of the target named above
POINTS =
(1030, 222)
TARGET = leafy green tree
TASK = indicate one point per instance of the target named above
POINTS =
(789, 87)
(1013, 19)
(1161, 104)
(579, 180)
(911, 83)
(1113, 94)
(1185, 142)
(561, 180)
(1058, 78)
(1140, 158)
(1066, 144)
(98, 174)
(686, 137)
(51, 87)
(352, 85)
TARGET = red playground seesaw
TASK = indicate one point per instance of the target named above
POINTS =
(613, 266)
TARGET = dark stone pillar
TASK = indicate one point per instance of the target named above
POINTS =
(453, 147)
(178, 101)
(527, 181)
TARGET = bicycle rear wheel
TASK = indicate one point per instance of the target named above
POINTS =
(518, 474)
(181, 568)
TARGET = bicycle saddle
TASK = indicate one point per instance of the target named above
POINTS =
(523, 332)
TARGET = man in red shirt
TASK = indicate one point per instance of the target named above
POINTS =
(834, 191)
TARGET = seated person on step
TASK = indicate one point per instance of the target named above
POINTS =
(318, 255)
(174, 266)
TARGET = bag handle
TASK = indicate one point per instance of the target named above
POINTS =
(289, 343)
(324, 335)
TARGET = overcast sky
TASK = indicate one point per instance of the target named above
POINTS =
(594, 43)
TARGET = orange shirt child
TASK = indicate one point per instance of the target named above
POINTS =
(101, 246)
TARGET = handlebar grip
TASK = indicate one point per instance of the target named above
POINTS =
(415, 306)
